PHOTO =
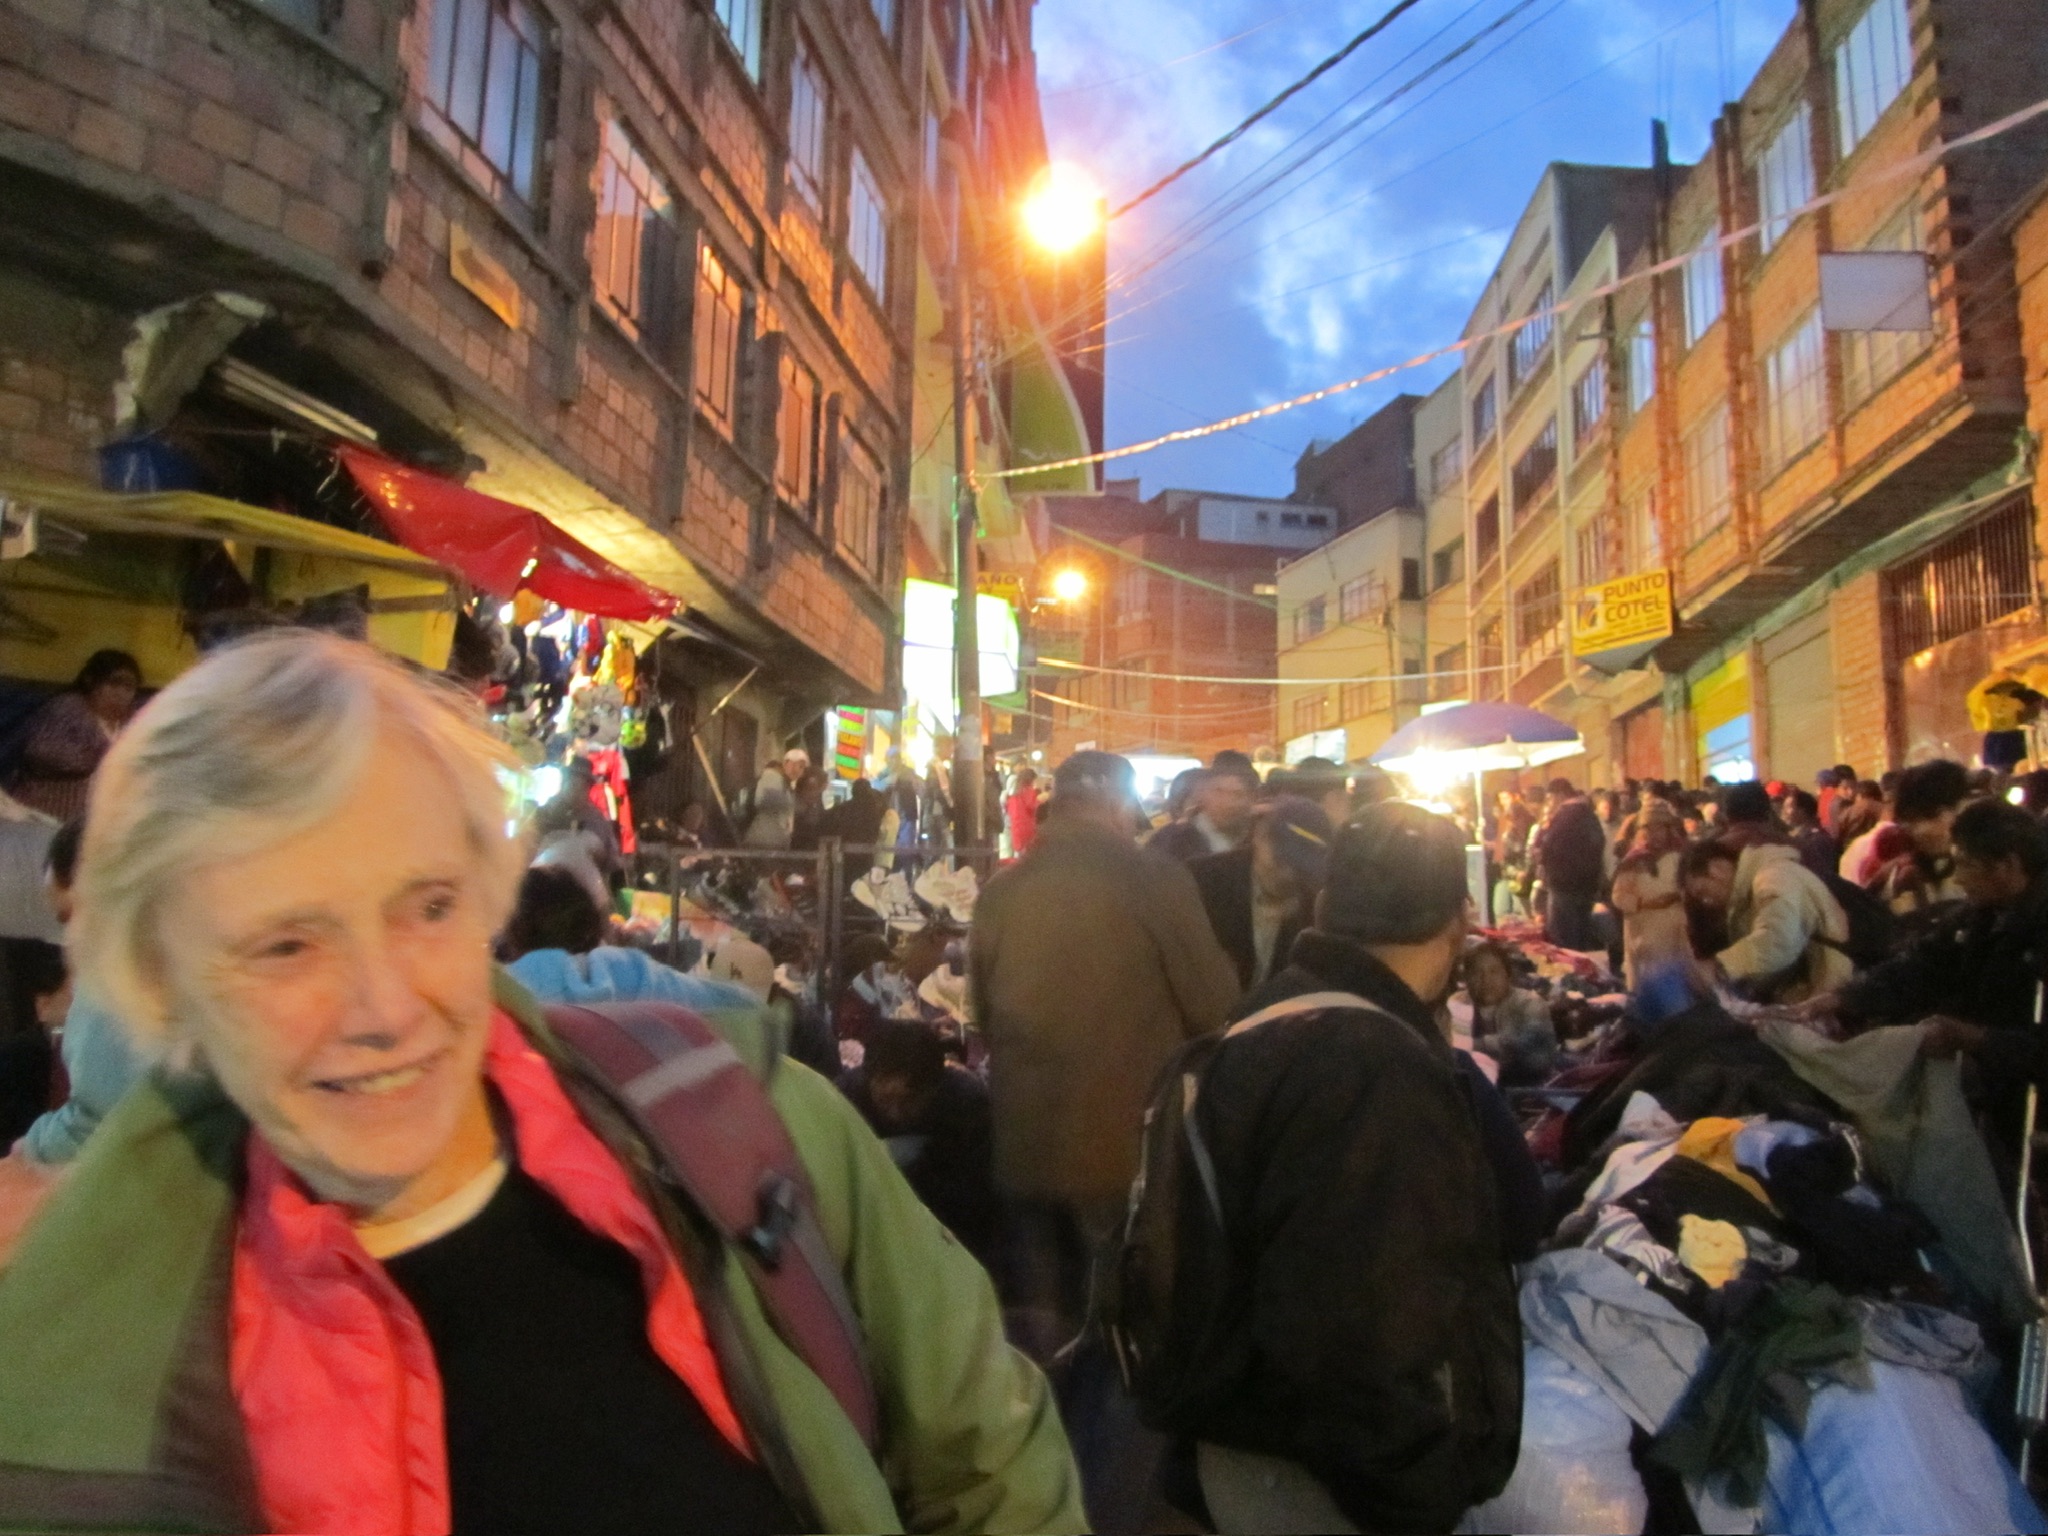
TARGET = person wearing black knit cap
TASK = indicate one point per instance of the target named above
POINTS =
(1368, 1375)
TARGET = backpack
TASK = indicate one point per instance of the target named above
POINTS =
(1873, 926)
(1175, 1273)
(721, 1144)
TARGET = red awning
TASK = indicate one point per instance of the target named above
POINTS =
(499, 546)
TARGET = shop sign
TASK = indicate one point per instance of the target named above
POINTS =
(1620, 615)
(484, 275)
(1003, 585)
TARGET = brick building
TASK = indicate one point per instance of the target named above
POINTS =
(655, 270)
(1844, 513)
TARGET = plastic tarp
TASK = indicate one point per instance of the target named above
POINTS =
(500, 546)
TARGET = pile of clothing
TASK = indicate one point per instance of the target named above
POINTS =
(1765, 1304)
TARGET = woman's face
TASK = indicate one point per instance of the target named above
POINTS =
(339, 986)
(113, 700)
(1486, 979)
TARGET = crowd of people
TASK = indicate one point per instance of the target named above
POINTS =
(1219, 1163)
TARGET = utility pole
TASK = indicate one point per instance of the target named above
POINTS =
(967, 771)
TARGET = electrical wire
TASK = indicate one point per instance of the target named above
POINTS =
(1374, 30)
(1912, 166)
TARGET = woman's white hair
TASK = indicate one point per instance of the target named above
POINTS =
(258, 742)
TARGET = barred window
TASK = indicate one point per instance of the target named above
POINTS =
(867, 226)
(1709, 488)
(1589, 401)
(1528, 343)
(860, 505)
(634, 242)
(1485, 412)
(1539, 617)
(1446, 466)
(1872, 66)
(1965, 583)
(1703, 296)
(1784, 176)
(486, 84)
(796, 436)
(808, 114)
(1795, 394)
(720, 307)
(1535, 469)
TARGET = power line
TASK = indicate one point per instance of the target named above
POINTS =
(1916, 165)
(1270, 107)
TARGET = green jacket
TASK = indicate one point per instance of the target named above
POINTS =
(116, 1412)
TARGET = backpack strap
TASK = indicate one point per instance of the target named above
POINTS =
(1308, 1002)
(722, 1143)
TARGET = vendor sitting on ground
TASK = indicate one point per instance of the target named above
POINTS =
(934, 1118)
(1509, 1023)
(885, 983)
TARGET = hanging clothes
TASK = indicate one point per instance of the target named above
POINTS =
(612, 793)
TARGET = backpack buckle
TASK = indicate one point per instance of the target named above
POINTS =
(778, 1216)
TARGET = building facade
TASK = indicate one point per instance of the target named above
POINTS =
(655, 271)
(1841, 502)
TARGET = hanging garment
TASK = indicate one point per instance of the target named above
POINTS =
(1917, 1130)
(612, 793)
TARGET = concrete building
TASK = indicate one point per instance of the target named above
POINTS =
(1844, 513)
(1352, 619)
(657, 271)
(1440, 474)
(1220, 518)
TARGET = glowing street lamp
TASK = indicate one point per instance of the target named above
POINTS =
(1070, 585)
(1063, 210)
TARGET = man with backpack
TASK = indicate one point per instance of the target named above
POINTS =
(1313, 1293)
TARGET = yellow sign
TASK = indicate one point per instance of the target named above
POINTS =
(483, 275)
(1630, 610)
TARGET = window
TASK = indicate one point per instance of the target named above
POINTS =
(867, 226)
(1535, 469)
(1702, 287)
(1308, 712)
(717, 340)
(1872, 67)
(1795, 394)
(484, 89)
(796, 435)
(742, 22)
(1646, 529)
(1589, 401)
(1870, 358)
(1446, 467)
(1709, 494)
(808, 112)
(1310, 619)
(633, 246)
(1601, 549)
(1485, 412)
(1318, 519)
(1539, 617)
(860, 505)
(1290, 519)
(1356, 599)
(1447, 674)
(1411, 581)
(1784, 176)
(1642, 365)
(1964, 584)
(1527, 344)
(1447, 565)
(1491, 661)
(1486, 531)
(1354, 702)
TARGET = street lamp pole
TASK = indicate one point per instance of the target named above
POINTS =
(967, 770)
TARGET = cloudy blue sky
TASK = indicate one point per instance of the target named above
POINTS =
(1374, 250)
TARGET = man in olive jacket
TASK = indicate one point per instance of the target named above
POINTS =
(1091, 962)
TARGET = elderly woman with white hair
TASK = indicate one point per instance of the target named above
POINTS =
(371, 1251)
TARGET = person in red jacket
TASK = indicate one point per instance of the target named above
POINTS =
(1020, 809)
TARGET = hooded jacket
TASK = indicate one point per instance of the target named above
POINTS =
(118, 1411)
(1785, 925)
(1376, 1339)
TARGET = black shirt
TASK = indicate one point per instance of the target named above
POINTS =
(560, 1416)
